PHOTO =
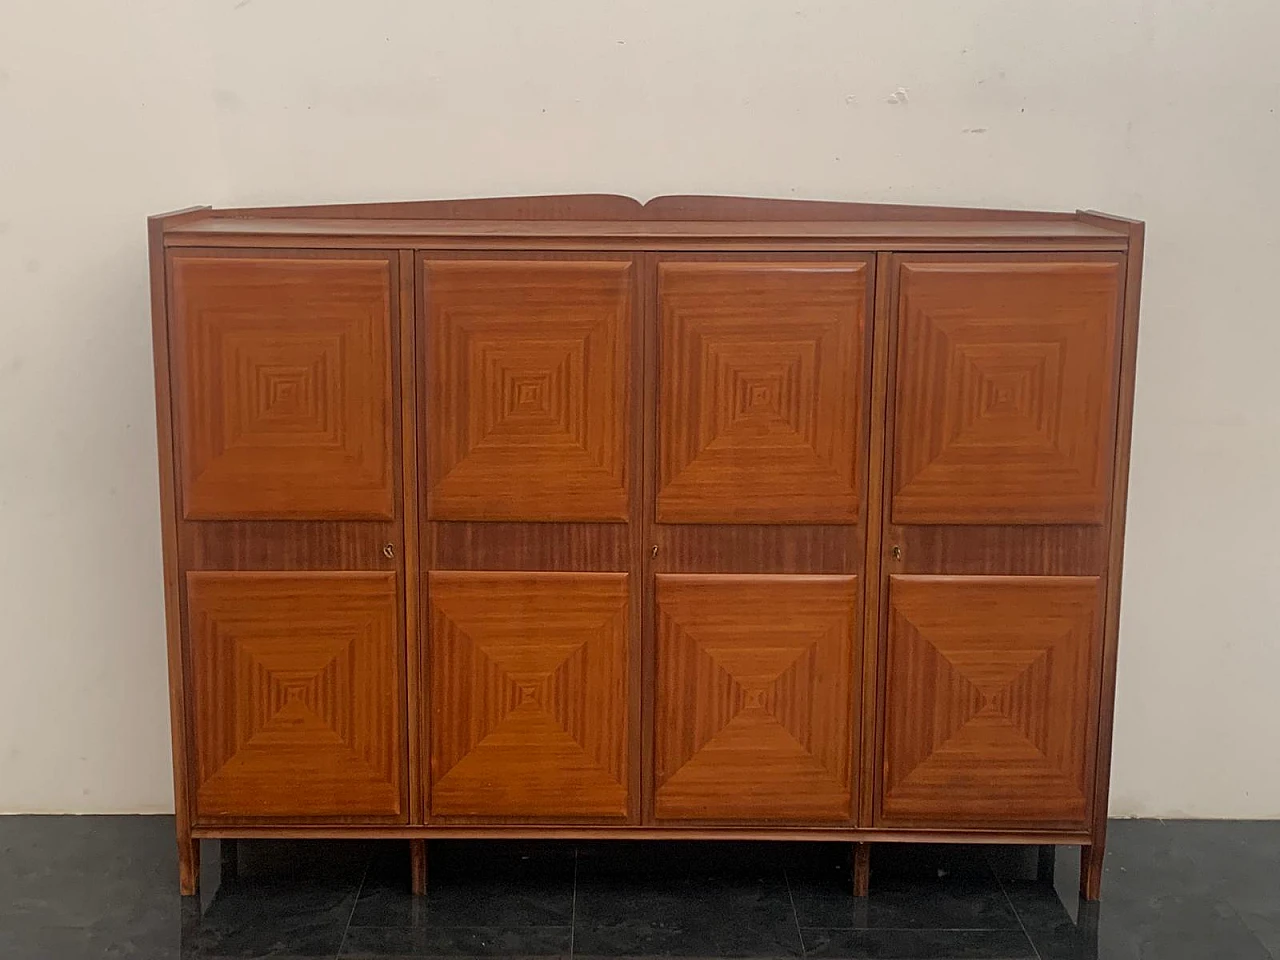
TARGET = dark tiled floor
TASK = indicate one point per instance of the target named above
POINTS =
(105, 887)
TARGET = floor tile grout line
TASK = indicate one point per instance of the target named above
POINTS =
(1014, 910)
(795, 914)
(879, 929)
(364, 878)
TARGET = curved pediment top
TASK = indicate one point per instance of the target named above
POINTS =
(606, 206)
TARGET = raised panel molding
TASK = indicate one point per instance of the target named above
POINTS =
(1005, 391)
(530, 694)
(284, 387)
(527, 401)
(760, 391)
(755, 697)
(297, 683)
(990, 701)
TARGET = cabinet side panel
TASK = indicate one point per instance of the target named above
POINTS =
(1119, 503)
(169, 526)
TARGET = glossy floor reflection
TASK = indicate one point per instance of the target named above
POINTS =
(103, 887)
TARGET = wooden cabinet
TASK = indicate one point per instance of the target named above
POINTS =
(704, 518)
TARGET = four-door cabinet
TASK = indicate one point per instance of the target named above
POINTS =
(703, 518)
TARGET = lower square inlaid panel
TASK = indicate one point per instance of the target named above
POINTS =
(528, 676)
(990, 701)
(755, 697)
(297, 689)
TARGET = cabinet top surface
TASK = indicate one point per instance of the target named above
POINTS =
(664, 222)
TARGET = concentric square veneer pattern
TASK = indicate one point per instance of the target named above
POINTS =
(529, 694)
(761, 391)
(284, 373)
(755, 697)
(296, 672)
(1005, 391)
(528, 394)
(991, 700)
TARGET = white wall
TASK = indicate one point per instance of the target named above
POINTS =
(1159, 110)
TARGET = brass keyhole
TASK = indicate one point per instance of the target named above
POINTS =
(896, 552)
(654, 553)
(389, 551)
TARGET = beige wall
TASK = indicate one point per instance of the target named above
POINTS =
(1160, 110)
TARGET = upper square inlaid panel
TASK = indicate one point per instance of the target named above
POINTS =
(761, 391)
(528, 385)
(1005, 390)
(283, 386)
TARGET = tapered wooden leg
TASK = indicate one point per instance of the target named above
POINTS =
(861, 869)
(418, 866)
(1046, 859)
(1091, 871)
(188, 866)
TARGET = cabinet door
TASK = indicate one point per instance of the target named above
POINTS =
(530, 695)
(756, 698)
(991, 701)
(283, 385)
(755, 525)
(760, 391)
(1005, 390)
(297, 700)
(528, 393)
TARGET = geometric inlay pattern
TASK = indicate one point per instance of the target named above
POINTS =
(1005, 391)
(297, 694)
(761, 391)
(529, 682)
(283, 383)
(991, 701)
(755, 699)
(527, 401)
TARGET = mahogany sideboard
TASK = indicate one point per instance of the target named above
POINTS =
(705, 518)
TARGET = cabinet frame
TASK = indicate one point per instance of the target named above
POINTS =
(590, 226)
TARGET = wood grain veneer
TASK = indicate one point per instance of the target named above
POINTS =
(296, 672)
(990, 701)
(529, 675)
(760, 396)
(756, 698)
(287, 394)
